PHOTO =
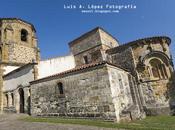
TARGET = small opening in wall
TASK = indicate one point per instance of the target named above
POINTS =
(85, 59)
(7, 100)
(24, 35)
(158, 69)
(60, 88)
(12, 96)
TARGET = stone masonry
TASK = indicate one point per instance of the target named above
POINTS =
(18, 45)
(105, 80)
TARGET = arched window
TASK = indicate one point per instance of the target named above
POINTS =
(60, 88)
(158, 69)
(24, 35)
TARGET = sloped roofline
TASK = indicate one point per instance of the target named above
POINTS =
(139, 41)
(83, 36)
(150, 38)
(18, 69)
(76, 69)
(19, 20)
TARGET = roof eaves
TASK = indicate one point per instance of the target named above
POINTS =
(71, 71)
(18, 69)
(19, 20)
(77, 69)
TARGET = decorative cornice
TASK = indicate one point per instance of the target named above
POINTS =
(139, 42)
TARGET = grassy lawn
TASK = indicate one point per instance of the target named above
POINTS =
(150, 123)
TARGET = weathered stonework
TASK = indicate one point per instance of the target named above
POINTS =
(18, 45)
(154, 85)
(14, 100)
(14, 50)
(88, 103)
(1, 88)
(121, 57)
(100, 95)
(21, 53)
(93, 45)
(99, 79)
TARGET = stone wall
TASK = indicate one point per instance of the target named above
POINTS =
(12, 105)
(11, 32)
(84, 44)
(141, 49)
(108, 39)
(122, 57)
(21, 54)
(14, 50)
(1, 88)
(124, 95)
(156, 94)
(93, 55)
(93, 45)
(155, 91)
(86, 94)
(97, 92)
(13, 82)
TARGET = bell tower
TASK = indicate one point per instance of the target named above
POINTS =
(18, 42)
(18, 46)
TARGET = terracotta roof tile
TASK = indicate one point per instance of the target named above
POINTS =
(85, 66)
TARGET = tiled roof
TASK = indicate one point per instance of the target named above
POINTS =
(19, 20)
(85, 66)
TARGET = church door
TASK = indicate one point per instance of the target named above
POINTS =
(21, 100)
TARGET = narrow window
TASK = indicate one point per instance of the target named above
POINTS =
(85, 59)
(7, 100)
(164, 70)
(155, 72)
(158, 69)
(60, 88)
(24, 35)
(12, 99)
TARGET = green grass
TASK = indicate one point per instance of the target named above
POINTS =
(150, 123)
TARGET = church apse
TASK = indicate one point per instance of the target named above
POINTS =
(154, 69)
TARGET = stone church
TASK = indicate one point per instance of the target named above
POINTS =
(98, 79)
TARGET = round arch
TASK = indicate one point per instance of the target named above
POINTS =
(157, 64)
(155, 55)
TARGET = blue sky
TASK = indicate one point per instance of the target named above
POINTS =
(56, 26)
